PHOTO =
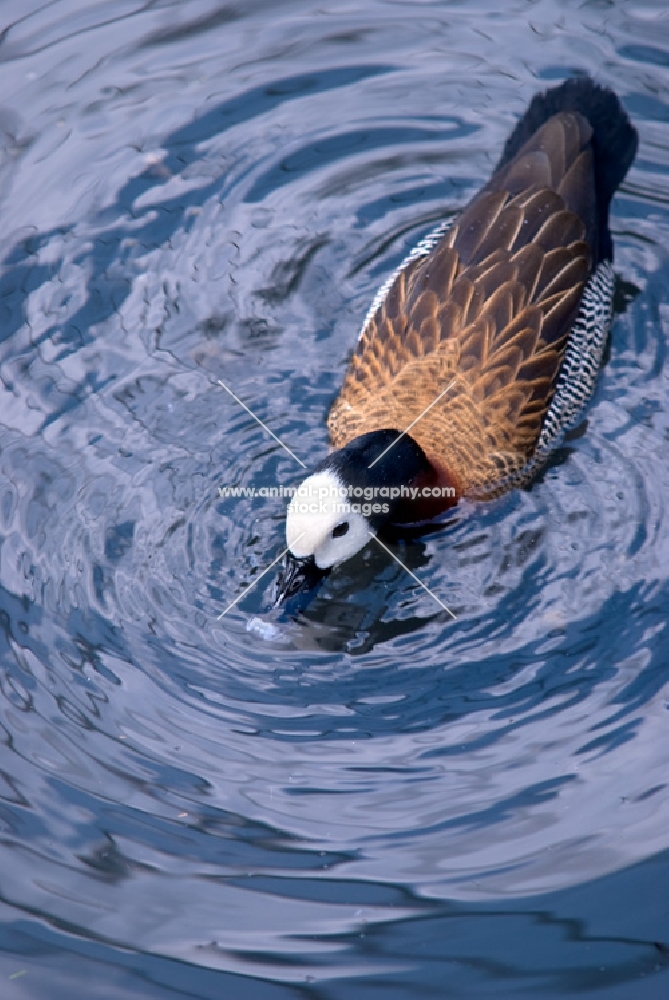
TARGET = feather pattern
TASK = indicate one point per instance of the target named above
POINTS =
(487, 305)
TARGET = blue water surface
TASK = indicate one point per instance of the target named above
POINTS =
(367, 799)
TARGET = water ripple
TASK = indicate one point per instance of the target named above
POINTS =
(217, 197)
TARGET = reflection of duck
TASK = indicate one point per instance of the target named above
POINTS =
(485, 344)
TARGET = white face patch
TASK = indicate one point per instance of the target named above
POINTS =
(320, 522)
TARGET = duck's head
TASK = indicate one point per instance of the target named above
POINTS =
(349, 497)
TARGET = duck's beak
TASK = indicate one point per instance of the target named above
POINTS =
(297, 576)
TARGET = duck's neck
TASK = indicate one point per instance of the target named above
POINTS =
(389, 469)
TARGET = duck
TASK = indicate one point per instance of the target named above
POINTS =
(481, 351)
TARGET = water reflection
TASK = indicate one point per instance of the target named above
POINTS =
(368, 790)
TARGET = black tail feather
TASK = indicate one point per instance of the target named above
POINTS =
(614, 138)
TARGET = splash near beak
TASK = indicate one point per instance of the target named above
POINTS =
(297, 576)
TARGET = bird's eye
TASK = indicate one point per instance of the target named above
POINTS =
(340, 529)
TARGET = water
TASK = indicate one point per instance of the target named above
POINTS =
(370, 800)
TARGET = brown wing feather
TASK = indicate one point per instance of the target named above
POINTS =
(489, 309)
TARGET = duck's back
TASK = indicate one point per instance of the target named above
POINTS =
(489, 308)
